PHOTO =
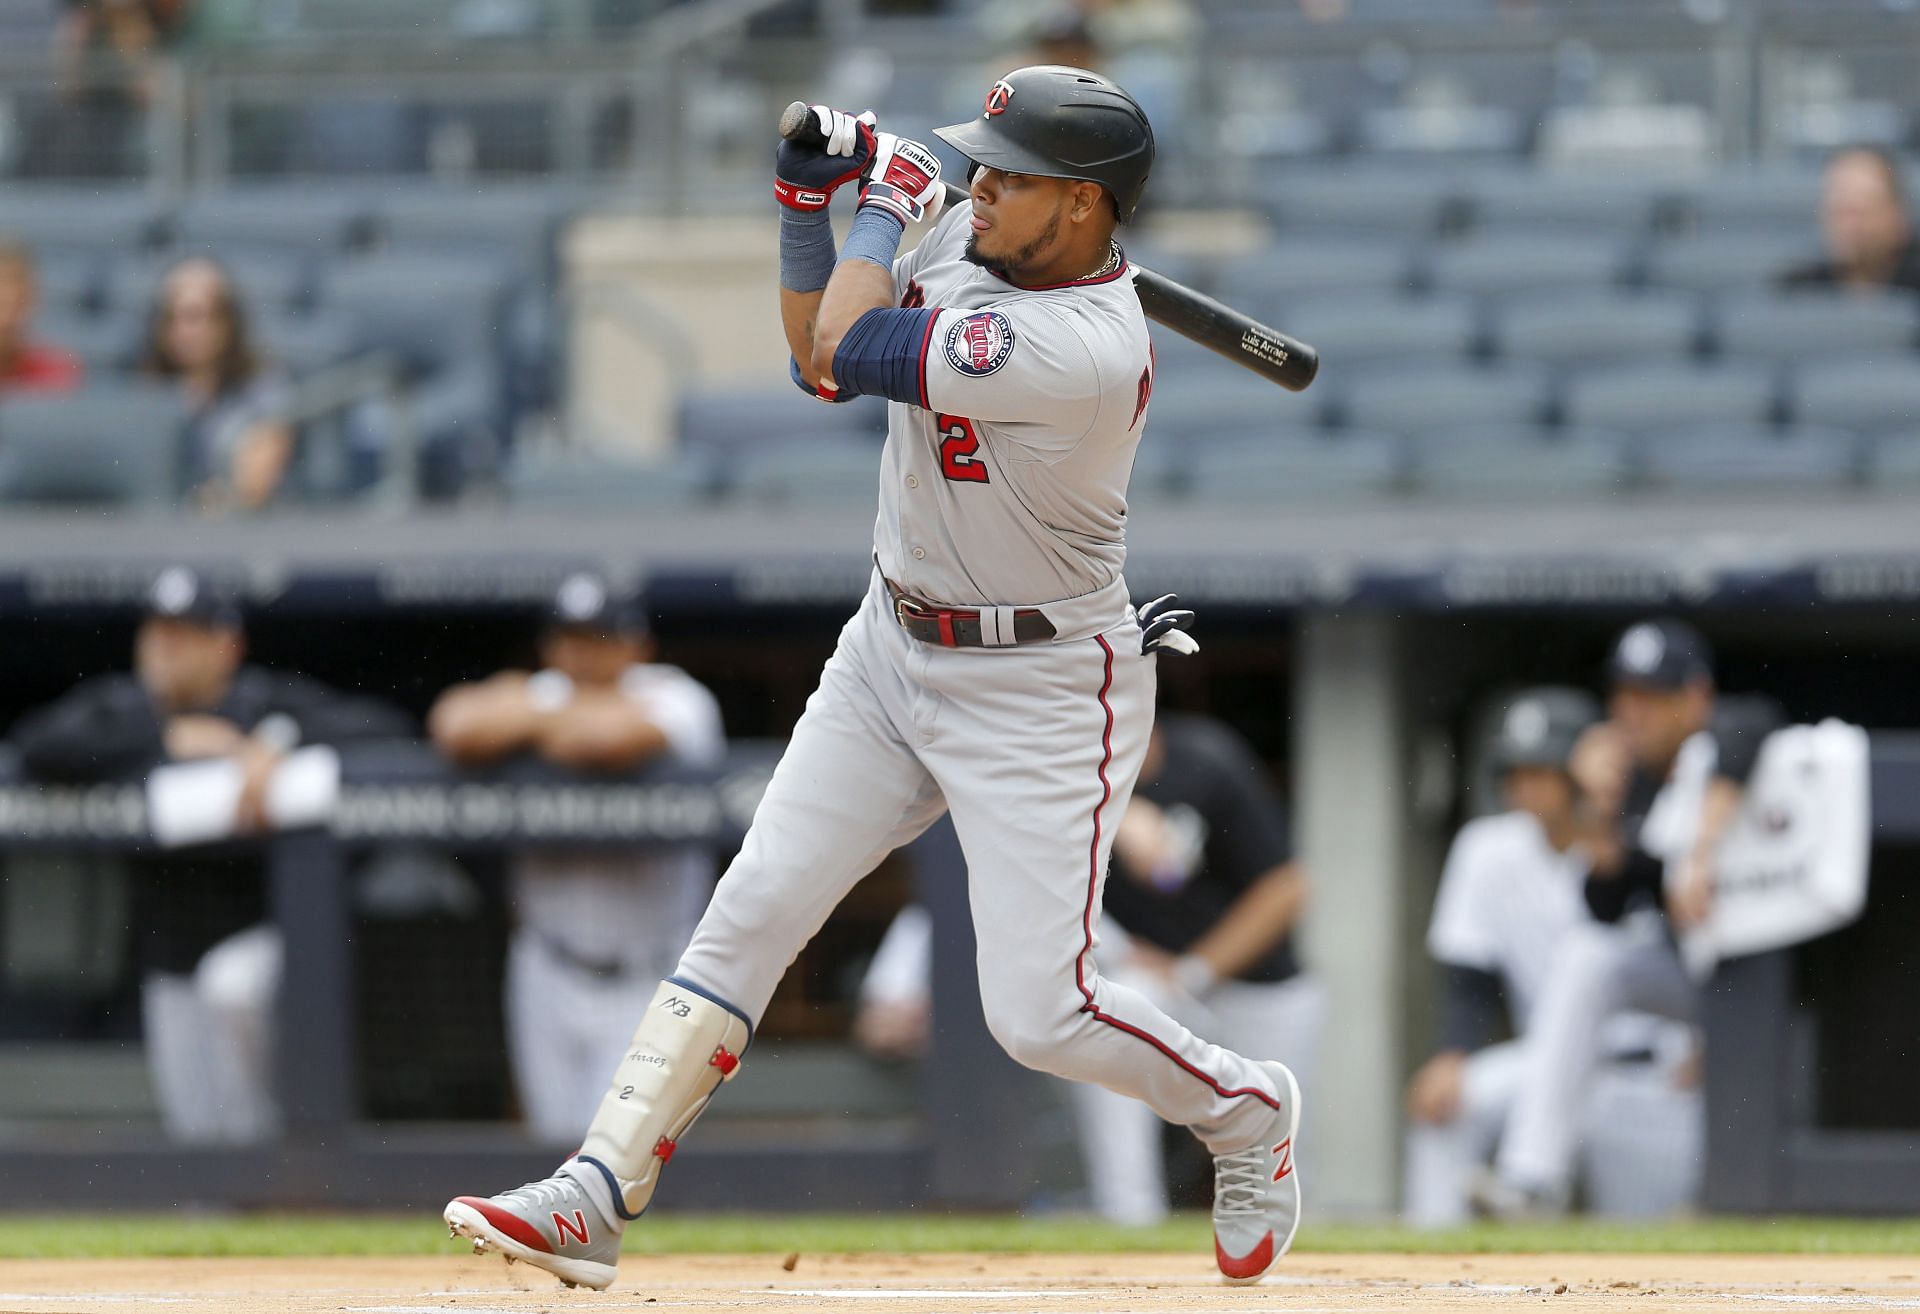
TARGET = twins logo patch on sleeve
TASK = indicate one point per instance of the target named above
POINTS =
(980, 343)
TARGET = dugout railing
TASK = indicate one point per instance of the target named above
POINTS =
(1765, 1153)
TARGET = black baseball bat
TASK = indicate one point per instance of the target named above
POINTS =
(1242, 339)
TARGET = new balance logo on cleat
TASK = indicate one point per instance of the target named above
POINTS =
(577, 1229)
(1284, 1151)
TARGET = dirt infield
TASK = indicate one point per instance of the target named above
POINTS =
(964, 1284)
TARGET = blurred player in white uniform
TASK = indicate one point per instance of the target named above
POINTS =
(996, 670)
(1509, 906)
(595, 929)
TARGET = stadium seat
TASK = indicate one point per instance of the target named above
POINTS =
(516, 224)
(1794, 326)
(569, 479)
(68, 280)
(1871, 395)
(1892, 460)
(1236, 403)
(1297, 465)
(1419, 400)
(835, 470)
(1727, 262)
(304, 221)
(1410, 329)
(1666, 394)
(304, 343)
(1530, 199)
(1506, 263)
(434, 314)
(1531, 461)
(85, 219)
(1398, 202)
(1268, 281)
(740, 419)
(268, 282)
(116, 445)
(1732, 458)
(1774, 198)
(1598, 328)
(105, 344)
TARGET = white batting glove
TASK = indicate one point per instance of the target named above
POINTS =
(904, 180)
(1163, 628)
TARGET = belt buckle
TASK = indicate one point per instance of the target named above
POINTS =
(905, 604)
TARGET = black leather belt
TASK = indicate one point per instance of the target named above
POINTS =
(961, 627)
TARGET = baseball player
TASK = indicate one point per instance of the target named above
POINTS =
(1662, 695)
(1510, 895)
(594, 930)
(995, 671)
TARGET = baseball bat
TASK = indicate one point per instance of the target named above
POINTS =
(1241, 338)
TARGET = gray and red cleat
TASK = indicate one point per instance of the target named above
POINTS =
(1256, 1192)
(565, 1224)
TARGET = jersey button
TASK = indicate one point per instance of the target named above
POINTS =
(919, 554)
(913, 481)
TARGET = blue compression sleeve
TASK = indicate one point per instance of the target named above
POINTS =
(806, 250)
(875, 236)
(884, 354)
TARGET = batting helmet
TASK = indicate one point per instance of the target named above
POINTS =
(1541, 726)
(1061, 122)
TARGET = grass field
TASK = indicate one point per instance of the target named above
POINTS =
(75, 1236)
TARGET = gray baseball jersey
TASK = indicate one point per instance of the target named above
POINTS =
(1007, 485)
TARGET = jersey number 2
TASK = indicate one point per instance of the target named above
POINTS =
(959, 448)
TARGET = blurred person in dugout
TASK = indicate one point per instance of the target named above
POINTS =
(238, 443)
(229, 751)
(1200, 907)
(27, 365)
(595, 929)
(1866, 227)
(1510, 894)
(1661, 696)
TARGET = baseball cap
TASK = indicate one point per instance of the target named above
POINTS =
(1541, 726)
(185, 594)
(1660, 654)
(585, 601)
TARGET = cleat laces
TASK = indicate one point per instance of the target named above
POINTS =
(1240, 1181)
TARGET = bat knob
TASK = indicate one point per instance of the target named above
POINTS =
(794, 120)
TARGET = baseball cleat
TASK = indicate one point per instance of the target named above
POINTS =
(1256, 1192)
(564, 1224)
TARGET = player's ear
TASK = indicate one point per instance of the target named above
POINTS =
(1085, 201)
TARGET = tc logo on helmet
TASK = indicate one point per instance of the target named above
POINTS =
(997, 98)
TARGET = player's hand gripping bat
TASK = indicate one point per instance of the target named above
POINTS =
(1242, 339)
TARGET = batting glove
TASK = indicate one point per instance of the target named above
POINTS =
(904, 180)
(806, 174)
(1164, 628)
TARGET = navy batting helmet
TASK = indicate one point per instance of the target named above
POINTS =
(1061, 122)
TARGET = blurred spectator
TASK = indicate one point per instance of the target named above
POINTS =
(1866, 225)
(1509, 895)
(238, 443)
(1200, 907)
(595, 930)
(27, 366)
(1662, 696)
(214, 736)
(130, 33)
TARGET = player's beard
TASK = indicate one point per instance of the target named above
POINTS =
(1011, 266)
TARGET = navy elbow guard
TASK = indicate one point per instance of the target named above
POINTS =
(800, 382)
(884, 354)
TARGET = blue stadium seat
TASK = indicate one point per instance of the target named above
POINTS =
(1733, 458)
(572, 479)
(68, 280)
(304, 343)
(435, 314)
(1267, 281)
(268, 282)
(1892, 460)
(1420, 400)
(1786, 327)
(106, 344)
(108, 445)
(835, 470)
(1390, 202)
(1666, 394)
(1598, 328)
(1505, 461)
(1507, 263)
(1409, 329)
(519, 222)
(85, 219)
(1297, 465)
(741, 419)
(302, 220)
(1727, 261)
(1513, 201)
(1867, 396)
(1776, 198)
(1234, 404)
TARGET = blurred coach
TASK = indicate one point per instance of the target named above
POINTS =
(595, 930)
(209, 964)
